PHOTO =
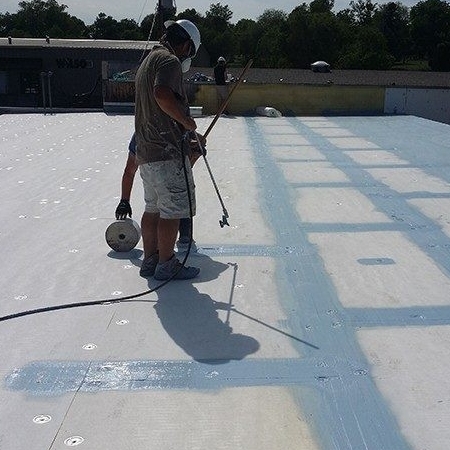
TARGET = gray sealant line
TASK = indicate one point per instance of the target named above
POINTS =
(347, 411)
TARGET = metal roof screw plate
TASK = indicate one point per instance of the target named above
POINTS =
(42, 418)
(73, 441)
(122, 322)
(89, 346)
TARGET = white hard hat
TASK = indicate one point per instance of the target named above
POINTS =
(190, 29)
(221, 59)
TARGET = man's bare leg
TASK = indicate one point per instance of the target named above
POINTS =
(167, 235)
(149, 228)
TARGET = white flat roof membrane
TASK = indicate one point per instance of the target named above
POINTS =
(320, 319)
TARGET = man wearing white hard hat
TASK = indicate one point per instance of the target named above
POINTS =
(220, 77)
(163, 130)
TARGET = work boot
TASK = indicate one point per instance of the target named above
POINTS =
(148, 266)
(173, 268)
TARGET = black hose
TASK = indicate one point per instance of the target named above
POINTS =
(120, 299)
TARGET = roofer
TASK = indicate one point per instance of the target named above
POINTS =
(220, 77)
(164, 130)
(124, 207)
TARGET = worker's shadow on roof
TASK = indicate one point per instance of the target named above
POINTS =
(192, 320)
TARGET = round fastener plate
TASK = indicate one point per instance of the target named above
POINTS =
(42, 418)
(89, 346)
(73, 441)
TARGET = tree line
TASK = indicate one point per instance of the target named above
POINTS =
(363, 36)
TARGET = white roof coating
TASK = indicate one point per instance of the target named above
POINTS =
(320, 319)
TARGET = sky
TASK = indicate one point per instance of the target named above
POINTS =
(87, 10)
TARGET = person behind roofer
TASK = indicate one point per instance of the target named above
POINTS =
(124, 207)
(220, 77)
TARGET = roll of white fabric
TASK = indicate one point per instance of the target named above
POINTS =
(268, 111)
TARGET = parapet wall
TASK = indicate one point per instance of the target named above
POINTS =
(431, 104)
(294, 100)
(304, 100)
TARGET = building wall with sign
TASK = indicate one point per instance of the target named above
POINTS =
(62, 73)
(56, 77)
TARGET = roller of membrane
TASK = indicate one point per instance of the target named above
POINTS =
(268, 111)
(123, 235)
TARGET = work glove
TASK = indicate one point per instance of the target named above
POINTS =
(195, 150)
(123, 209)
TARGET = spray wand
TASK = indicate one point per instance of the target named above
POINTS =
(225, 216)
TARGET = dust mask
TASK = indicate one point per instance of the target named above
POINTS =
(186, 65)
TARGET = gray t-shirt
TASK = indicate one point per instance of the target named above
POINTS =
(158, 136)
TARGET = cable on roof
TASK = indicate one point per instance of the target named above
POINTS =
(108, 301)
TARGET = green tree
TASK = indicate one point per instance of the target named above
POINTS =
(298, 47)
(271, 48)
(130, 30)
(147, 26)
(430, 30)
(217, 32)
(6, 24)
(363, 11)
(105, 27)
(314, 34)
(392, 20)
(363, 36)
(219, 15)
(325, 37)
(321, 6)
(192, 15)
(346, 17)
(246, 34)
(367, 50)
(38, 18)
(440, 61)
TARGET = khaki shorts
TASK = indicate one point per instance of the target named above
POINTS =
(165, 188)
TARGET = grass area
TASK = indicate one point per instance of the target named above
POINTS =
(421, 65)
